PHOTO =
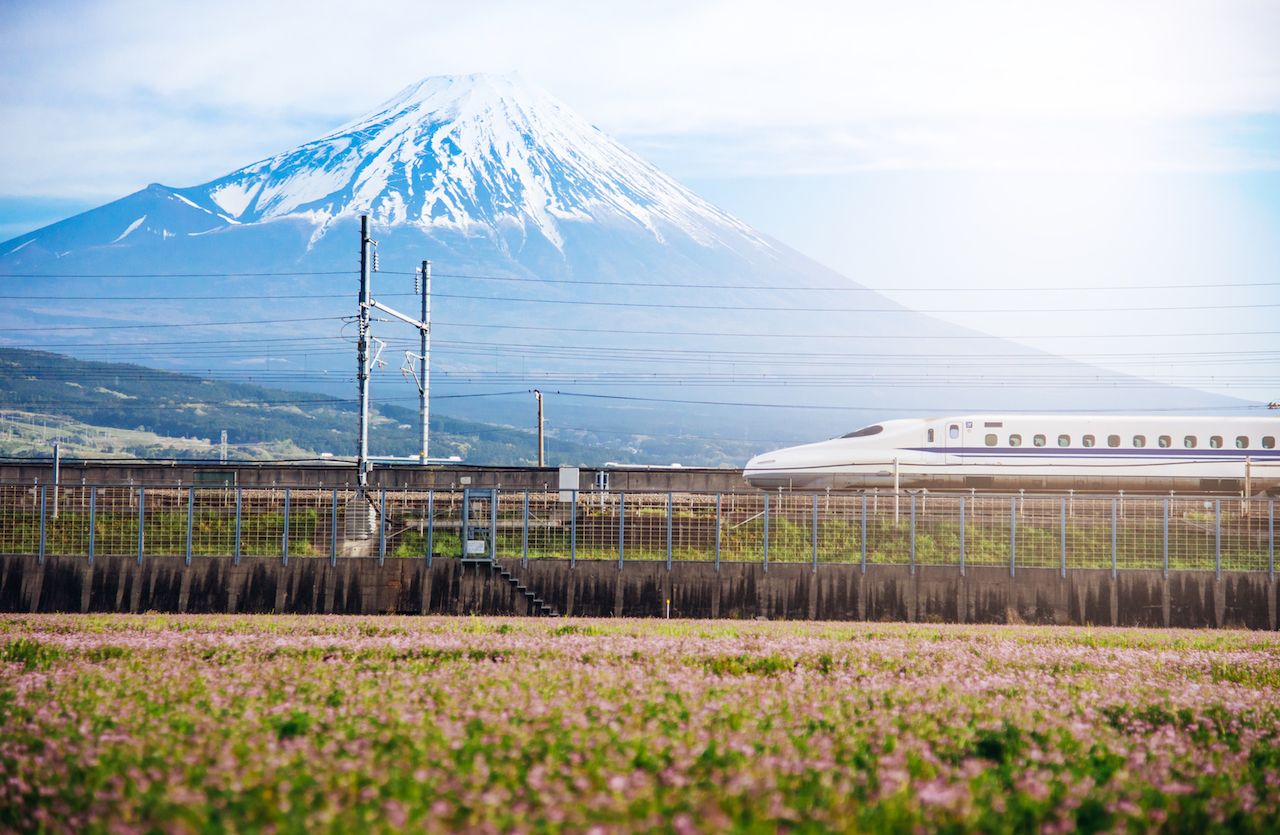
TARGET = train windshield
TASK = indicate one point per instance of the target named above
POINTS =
(865, 431)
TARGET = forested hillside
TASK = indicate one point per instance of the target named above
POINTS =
(121, 409)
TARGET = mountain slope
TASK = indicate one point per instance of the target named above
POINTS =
(185, 415)
(564, 262)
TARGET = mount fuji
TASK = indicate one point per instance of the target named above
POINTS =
(564, 262)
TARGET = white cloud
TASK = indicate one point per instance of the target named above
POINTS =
(99, 95)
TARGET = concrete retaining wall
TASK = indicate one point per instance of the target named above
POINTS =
(935, 594)
(436, 476)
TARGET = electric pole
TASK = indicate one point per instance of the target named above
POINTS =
(362, 359)
(424, 359)
(538, 396)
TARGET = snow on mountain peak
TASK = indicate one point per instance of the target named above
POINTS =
(476, 154)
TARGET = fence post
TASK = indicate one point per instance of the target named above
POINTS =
(669, 510)
(766, 532)
(237, 545)
(524, 535)
(1013, 535)
(93, 520)
(1271, 539)
(1114, 523)
(573, 531)
(1062, 536)
(1165, 548)
(142, 520)
(382, 525)
(1217, 538)
(815, 532)
(191, 507)
(284, 538)
(493, 522)
(431, 526)
(913, 533)
(40, 552)
(863, 537)
(962, 536)
(333, 529)
(717, 531)
(622, 525)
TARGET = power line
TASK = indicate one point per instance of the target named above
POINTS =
(172, 324)
(680, 306)
(756, 308)
(753, 335)
(676, 285)
(881, 408)
(284, 274)
(757, 335)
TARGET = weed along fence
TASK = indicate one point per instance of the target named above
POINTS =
(917, 556)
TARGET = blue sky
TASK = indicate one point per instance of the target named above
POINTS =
(911, 144)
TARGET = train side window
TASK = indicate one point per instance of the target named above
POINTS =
(1113, 440)
(1215, 442)
(1015, 440)
(991, 439)
(930, 436)
(1139, 441)
(1087, 440)
(1268, 441)
(1038, 440)
(1189, 442)
(1242, 441)
(1064, 440)
(1165, 442)
(953, 432)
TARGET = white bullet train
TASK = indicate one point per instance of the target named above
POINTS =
(1036, 452)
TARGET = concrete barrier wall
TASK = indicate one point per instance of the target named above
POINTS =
(437, 477)
(933, 594)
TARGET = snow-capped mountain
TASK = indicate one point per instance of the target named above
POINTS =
(469, 154)
(621, 280)
(477, 155)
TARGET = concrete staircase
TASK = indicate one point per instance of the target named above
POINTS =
(537, 606)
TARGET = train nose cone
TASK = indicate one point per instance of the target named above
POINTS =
(762, 472)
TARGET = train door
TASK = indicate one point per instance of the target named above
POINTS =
(952, 441)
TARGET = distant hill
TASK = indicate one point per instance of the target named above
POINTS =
(116, 409)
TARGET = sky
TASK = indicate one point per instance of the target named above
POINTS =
(1064, 155)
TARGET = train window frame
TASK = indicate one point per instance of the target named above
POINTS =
(991, 439)
(953, 431)
(929, 436)
(1113, 441)
(1139, 441)
(1064, 440)
(1039, 440)
(1088, 441)
(1164, 441)
(1190, 442)
(1242, 441)
(1015, 440)
(1215, 442)
(1268, 441)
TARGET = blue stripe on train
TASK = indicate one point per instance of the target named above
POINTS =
(1100, 452)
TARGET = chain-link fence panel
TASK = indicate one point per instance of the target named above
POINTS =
(743, 527)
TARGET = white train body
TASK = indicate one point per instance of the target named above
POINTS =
(1036, 452)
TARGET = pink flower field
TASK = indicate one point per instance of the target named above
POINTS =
(192, 723)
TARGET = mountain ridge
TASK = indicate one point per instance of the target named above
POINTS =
(631, 281)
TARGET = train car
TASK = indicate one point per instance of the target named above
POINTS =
(1036, 452)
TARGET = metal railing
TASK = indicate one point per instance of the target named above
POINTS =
(1015, 531)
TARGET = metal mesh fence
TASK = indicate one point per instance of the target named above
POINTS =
(1078, 531)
